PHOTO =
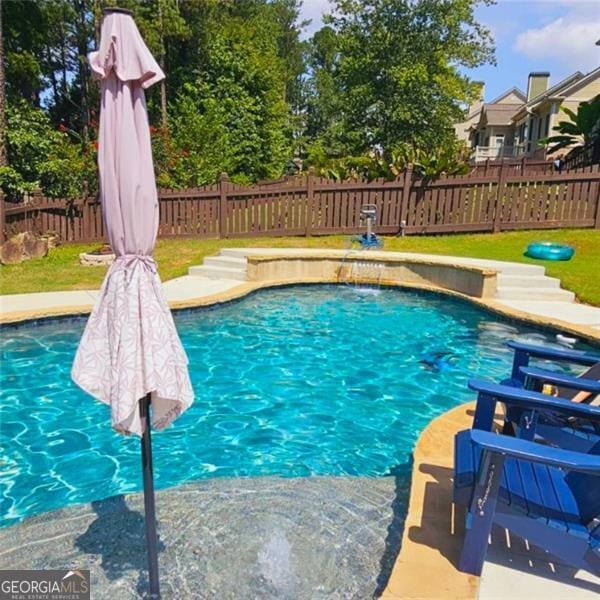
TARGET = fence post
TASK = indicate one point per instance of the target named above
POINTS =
(36, 219)
(597, 221)
(86, 216)
(499, 198)
(223, 184)
(310, 201)
(406, 190)
(2, 219)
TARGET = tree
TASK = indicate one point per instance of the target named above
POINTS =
(3, 158)
(24, 35)
(162, 25)
(233, 113)
(581, 129)
(324, 103)
(42, 156)
(393, 72)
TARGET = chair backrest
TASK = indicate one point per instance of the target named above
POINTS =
(592, 373)
(586, 490)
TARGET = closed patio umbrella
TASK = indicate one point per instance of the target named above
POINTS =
(130, 355)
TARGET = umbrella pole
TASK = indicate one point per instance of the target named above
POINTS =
(151, 536)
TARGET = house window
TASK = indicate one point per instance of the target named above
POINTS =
(530, 124)
(499, 139)
(547, 125)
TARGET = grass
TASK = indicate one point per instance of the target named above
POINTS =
(60, 270)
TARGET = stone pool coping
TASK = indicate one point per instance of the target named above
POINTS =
(238, 291)
(433, 529)
(183, 294)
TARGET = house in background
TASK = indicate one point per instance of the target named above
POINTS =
(511, 125)
(492, 134)
(463, 129)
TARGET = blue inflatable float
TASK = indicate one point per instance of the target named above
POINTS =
(550, 251)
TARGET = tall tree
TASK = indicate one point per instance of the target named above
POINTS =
(3, 158)
(162, 25)
(395, 76)
(24, 38)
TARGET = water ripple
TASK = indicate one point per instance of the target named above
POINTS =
(292, 382)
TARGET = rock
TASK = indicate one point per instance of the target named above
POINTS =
(53, 240)
(96, 260)
(11, 252)
(34, 247)
(22, 247)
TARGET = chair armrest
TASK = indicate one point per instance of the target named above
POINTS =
(573, 356)
(539, 453)
(562, 379)
(534, 401)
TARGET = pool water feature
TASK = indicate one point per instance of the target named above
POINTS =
(363, 276)
(293, 382)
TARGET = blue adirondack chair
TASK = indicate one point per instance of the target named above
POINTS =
(550, 496)
(524, 352)
(552, 428)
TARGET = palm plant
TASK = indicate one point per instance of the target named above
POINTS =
(583, 127)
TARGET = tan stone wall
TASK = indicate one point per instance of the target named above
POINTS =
(471, 281)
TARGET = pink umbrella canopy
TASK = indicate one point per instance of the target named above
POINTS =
(130, 346)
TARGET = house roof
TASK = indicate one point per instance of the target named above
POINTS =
(555, 90)
(513, 90)
(573, 85)
(500, 114)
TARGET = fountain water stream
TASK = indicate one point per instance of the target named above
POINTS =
(276, 566)
(363, 276)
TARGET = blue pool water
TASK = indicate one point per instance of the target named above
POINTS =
(314, 380)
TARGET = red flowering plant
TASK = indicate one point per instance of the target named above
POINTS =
(169, 163)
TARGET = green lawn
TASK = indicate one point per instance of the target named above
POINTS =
(61, 269)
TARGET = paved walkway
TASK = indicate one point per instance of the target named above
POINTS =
(176, 290)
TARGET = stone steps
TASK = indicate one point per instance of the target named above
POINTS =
(229, 262)
(222, 267)
(541, 294)
(217, 273)
(537, 281)
(516, 281)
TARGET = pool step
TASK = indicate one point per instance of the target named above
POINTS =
(538, 281)
(515, 270)
(515, 281)
(533, 293)
(222, 267)
(229, 262)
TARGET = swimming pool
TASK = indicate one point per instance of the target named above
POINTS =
(297, 381)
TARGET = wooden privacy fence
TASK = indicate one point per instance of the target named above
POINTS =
(310, 205)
